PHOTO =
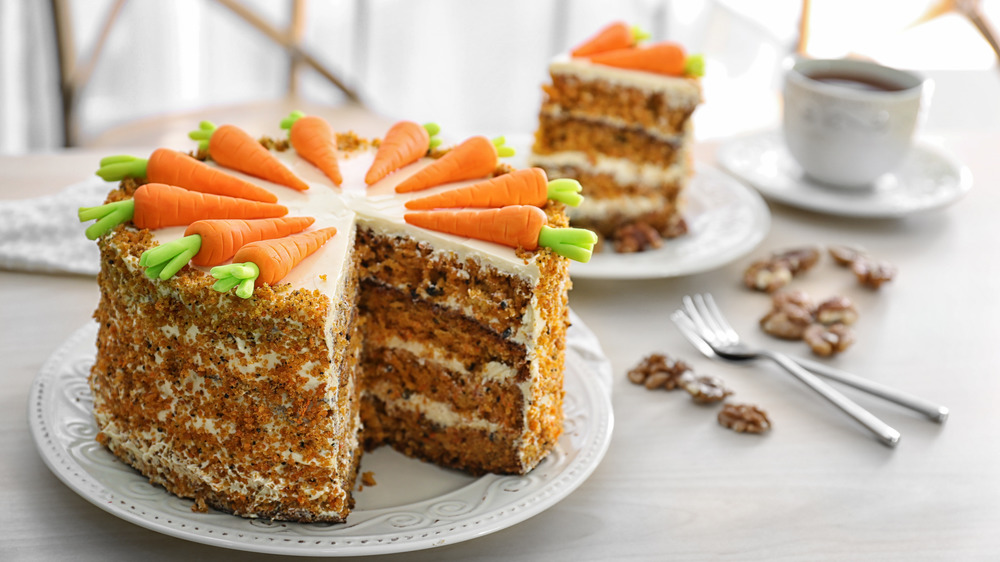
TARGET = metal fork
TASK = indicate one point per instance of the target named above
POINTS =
(933, 411)
(709, 323)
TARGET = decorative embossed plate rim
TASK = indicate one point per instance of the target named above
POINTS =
(726, 220)
(62, 425)
(929, 179)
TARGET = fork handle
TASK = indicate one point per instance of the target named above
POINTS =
(886, 434)
(933, 411)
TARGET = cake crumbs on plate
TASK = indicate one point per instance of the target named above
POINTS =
(367, 479)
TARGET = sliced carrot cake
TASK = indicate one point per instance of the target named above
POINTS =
(617, 117)
(271, 308)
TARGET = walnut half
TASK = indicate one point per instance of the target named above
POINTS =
(872, 273)
(658, 371)
(704, 389)
(828, 340)
(837, 310)
(791, 313)
(744, 418)
(767, 276)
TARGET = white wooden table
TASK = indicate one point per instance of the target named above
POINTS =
(674, 484)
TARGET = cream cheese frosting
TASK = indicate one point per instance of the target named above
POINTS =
(678, 90)
(378, 207)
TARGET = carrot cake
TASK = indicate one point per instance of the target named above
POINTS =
(617, 117)
(248, 353)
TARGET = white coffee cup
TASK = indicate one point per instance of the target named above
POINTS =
(847, 122)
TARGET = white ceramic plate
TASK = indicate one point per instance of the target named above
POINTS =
(929, 179)
(414, 505)
(726, 220)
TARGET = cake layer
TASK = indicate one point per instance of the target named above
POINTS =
(558, 134)
(607, 177)
(497, 299)
(472, 367)
(391, 312)
(476, 451)
(661, 105)
(245, 406)
(445, 391)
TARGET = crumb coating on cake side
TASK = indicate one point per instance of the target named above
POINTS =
(240, 404)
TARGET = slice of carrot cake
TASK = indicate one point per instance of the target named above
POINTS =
(248, 351)
(617, 117)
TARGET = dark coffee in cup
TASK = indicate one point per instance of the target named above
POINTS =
(857, 82)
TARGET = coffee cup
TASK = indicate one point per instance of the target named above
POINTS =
(847, 122)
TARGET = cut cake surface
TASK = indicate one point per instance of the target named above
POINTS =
(625, 135)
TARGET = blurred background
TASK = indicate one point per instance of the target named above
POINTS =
(86, 72)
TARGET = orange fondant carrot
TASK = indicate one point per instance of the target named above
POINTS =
(617, 35)
(178, 169)
(157, 205)
(221, 239)
(514, 226)
(404, 143)
(268, 261)
(312, 138)
(517, 226)
(662, 58)
(275, 258)
(211, 242)
(528, 186)
(233, 148)
(474, 158)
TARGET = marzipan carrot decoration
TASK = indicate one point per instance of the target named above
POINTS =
(404, 143)
(618, 35)
(157, 205)
(267, 261)
(313, 139)
(517, 226)
(477, 157)
(662, 58)
(529, 186)
(212, 242)
(233, 148)
(180, 170)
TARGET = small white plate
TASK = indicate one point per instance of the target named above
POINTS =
(726, 220)
(415, 505)
(928, 179)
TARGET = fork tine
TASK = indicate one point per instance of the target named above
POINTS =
(729, 333)
(687, 329)
(708, 317)
(695, 316)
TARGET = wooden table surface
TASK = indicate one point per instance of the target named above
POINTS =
(674, 484)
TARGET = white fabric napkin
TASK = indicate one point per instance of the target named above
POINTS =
(43, 234)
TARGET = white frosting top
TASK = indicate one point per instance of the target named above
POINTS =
(676, 88)
(378, 207)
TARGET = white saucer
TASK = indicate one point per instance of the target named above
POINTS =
(929, 179)
(726, 220)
